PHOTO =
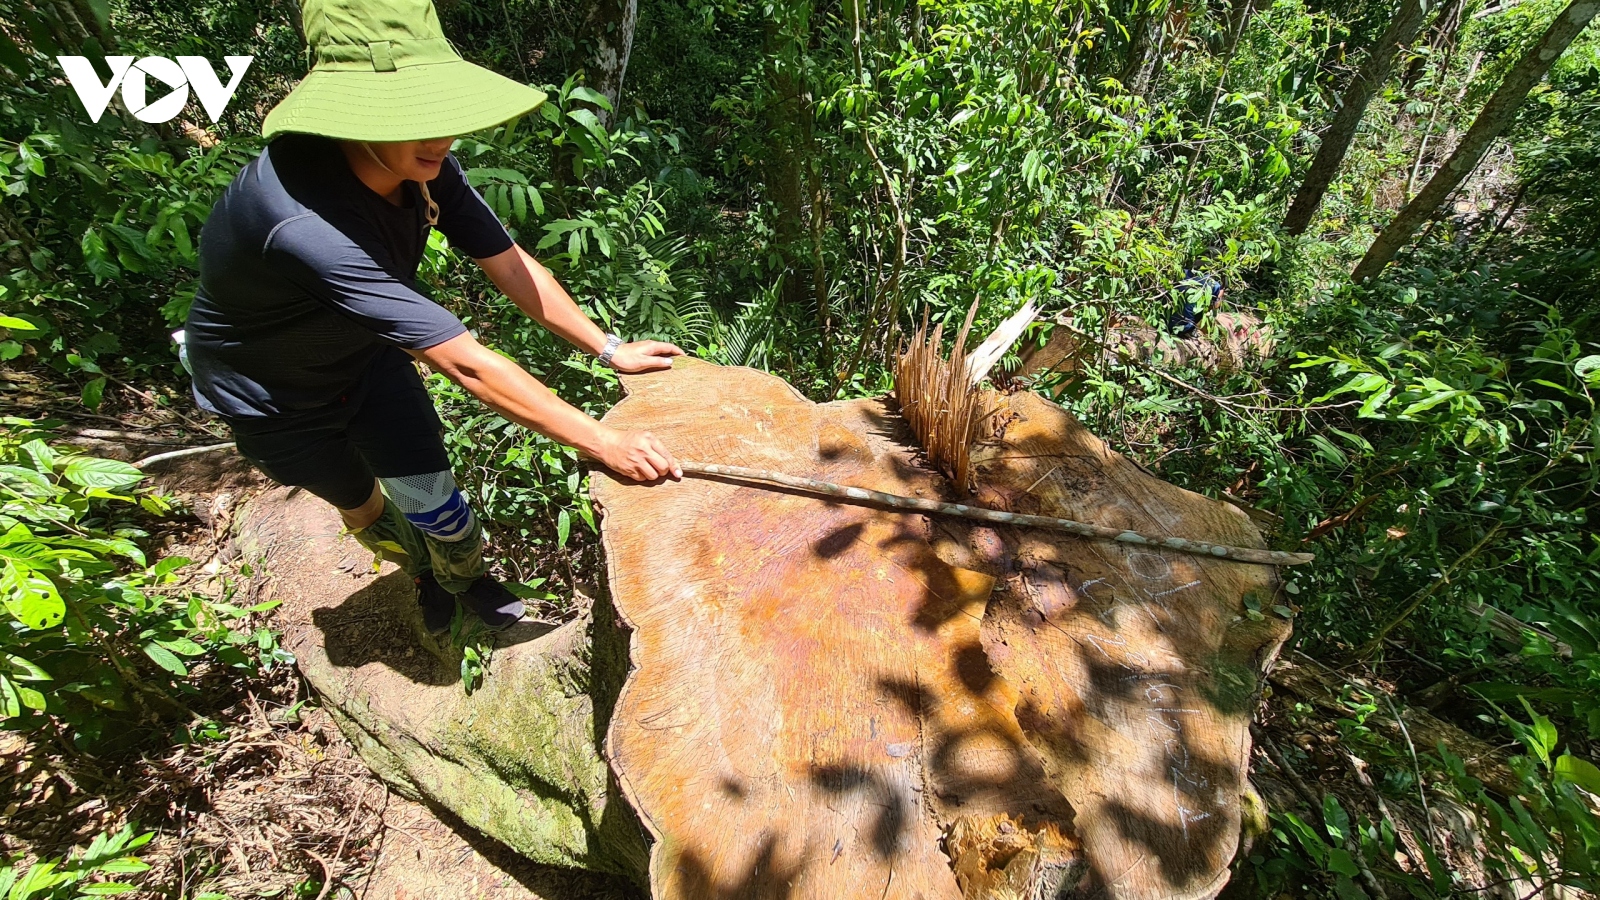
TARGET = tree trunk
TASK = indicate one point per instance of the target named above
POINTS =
(1497, 114)
(1336, 140)
(1143, 51)
(610, 36)
(788, 115)
(518, 758)
(1446, 28)
(1239, 18)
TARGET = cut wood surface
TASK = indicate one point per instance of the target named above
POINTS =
(831, 700)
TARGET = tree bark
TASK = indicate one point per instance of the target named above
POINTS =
(1240, 19)
(786, 166)
(1336, 140)
(1143, 51)
(610, 34)
(1491, 122)
(1446, 28)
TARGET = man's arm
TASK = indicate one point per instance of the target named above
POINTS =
(510, 391)
(536, 292)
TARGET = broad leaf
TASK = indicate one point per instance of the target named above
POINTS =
(89, 471)
(165, 658)
(1580, 772)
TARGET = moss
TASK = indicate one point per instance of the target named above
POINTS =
(517, 760)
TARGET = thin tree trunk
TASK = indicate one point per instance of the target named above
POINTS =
(1076, 31)
(1453, 132)
(888, 293)
(1433, 114)
(1442, 40)
(1135, 71)
(1336, 140)
(610, 34)
(1245, 8)
(818, 219)
(1491, 122)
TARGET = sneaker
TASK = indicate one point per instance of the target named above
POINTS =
(496, 606)
(438, 605)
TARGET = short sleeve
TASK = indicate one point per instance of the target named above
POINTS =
(464, 217)
(356, 278)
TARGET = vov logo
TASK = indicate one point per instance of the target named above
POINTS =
(188, 72)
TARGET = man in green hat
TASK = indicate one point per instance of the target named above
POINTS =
(308, 317)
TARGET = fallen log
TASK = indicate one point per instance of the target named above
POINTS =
(1312, 681)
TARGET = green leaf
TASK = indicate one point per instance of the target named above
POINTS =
(591, 123)
(105, 889)
(97, 258)
(31, 698)
(563, 528)
(10, 703)
(16, 324)
(44, 458)
(1430, 402)
(1540, 737)
(1588, 369)
(90, 471)
(1363, 383)
(180, 237)
(1580, 772)
(94, 392)
(590, 95)
(164, 658)
(183, 646)
(26, 669)
(31, 597)
(126, 865)
(40, 878)
(1340, 861)
(1335, 818)
(26, 481)
(1375, 402)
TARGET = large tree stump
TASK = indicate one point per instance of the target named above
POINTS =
(825, 699)
(829, 700)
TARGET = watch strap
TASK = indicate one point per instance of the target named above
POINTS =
(606, 352)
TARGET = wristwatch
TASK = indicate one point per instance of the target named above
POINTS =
(612, 343)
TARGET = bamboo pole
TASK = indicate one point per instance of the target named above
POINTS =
(961, 510)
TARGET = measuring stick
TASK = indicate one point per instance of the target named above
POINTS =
(961, 510)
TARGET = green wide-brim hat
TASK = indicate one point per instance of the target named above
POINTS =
(382, 70)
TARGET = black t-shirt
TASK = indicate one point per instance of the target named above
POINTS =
(308, 277)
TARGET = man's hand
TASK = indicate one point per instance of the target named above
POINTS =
(639, 455)
(644, 356)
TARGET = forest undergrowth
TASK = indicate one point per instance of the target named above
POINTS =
(1184, 188)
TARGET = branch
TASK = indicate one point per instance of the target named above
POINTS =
(175, 454)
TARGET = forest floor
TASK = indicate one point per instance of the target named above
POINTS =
(263, 797)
